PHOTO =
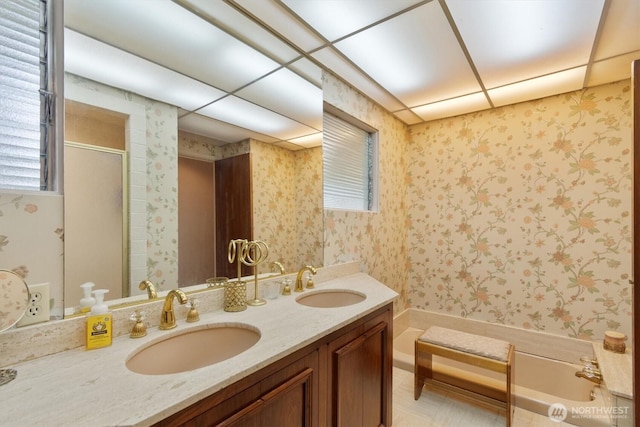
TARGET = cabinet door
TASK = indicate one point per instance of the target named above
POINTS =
(361, 378)
(289, 404)
(285, 394)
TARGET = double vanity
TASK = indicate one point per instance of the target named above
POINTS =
(319, 357)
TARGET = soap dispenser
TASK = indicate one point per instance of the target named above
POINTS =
(87, 301)
(100, 307)
(99, 320)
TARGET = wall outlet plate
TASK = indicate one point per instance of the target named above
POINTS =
(38, 307)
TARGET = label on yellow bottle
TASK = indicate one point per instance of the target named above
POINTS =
(98, 331)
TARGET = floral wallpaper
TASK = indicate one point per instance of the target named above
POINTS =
(309, 206)
(521, 215)
(377, 239)
(31, 241)
(162, 194)
(287, 203)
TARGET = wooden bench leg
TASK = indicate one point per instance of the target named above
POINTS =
(422, 369)
(510, 397)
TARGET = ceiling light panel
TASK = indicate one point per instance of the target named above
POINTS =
(288, 94)
(97, 61)
(189, 44)
(334, 62)
(408, 117)
(612, 70)
(219, 131)
(307, 69)
(552, 84)
(415, 56)
(230, 19)
(453, 107)
(276, 17)
(340, 18)
(621, 32)
(308, 141)
(241, 113)
(515, 40)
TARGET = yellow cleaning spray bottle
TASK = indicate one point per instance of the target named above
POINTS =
(99, 333)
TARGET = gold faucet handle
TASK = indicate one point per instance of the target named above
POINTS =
(286, 289)
(310, 284)
(139, 329)
(192, 315)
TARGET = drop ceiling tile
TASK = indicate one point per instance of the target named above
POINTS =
(515, 40)
(241, 113)
(97, 61)
(170, 36)
(414, 56)
(408, 117)
(307, 69)
(552, 84)
(309, 141)
(621, 32)
(220, 131)
(288, 94)
(229, 19)
(453, 107)
(340, 18)
(612, 70)
(276, 17)
(337, 65)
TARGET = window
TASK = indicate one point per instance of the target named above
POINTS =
(349, 158)
(26, 99)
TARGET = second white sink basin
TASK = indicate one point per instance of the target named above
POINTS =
(331, 298)
(193, 348)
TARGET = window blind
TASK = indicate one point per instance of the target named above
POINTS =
(23, 64)
(347, 173)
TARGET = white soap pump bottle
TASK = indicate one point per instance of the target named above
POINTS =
(99, 307)
(87, 301)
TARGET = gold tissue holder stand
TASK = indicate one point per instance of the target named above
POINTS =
(235, 296)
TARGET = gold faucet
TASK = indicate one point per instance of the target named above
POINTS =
(151, 290)
(277, 265)
(299, 287)
(591, 374)
(167, 317)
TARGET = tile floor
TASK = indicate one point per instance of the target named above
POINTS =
(442, 409)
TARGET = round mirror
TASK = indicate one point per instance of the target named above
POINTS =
(14, 298)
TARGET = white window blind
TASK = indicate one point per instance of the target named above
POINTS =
(24, 101)
(347, 153)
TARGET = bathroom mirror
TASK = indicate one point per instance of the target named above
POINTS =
(14, 298)
(232, 88)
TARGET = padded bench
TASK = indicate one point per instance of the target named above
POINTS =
(488, 353)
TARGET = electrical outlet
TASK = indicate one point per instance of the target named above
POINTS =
(38, 307)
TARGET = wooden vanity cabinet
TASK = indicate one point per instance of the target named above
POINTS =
(360, 365)
(343, 379)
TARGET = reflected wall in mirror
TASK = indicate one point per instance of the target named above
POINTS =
(222, 105)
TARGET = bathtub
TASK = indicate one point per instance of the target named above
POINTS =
(539, 382)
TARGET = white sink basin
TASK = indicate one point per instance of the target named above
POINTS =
(193, 348)
(331, 298)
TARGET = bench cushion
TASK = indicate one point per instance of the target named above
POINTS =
(469, 343)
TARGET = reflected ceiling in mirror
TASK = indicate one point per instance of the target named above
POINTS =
(232, 81)
(230, 78)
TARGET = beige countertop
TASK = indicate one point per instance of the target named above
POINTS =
(94, 388)
(616, 369)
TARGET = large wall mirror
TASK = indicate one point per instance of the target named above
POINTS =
(177, 87)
